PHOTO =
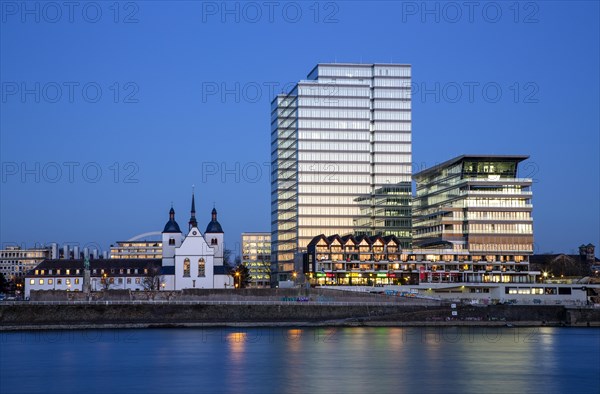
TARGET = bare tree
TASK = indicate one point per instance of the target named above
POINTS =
(105, 281)
(152, 280)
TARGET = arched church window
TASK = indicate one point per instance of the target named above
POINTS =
(214, 241)
(186, 267)
(201, 268)
(171, 241)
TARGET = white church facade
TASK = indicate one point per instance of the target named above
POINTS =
(194, 260)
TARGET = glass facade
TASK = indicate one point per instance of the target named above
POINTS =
(256, 255)
(341, 157)
(475, 203)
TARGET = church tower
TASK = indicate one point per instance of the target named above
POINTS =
(214, 237)
(171, 239)
(193, 222)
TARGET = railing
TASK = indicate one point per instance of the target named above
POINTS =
(291, 301)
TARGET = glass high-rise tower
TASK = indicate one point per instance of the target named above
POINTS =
(341, 157)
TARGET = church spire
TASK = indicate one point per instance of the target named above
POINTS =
(193, 222)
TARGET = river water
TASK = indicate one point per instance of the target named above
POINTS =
(301, 360)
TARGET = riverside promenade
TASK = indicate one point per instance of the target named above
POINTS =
(269, 307)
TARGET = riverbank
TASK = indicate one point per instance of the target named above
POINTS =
(34, 316)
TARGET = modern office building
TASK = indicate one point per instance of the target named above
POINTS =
(136, 250)
(16, 261)
(256, 255)
(341, 157)
(475, 203)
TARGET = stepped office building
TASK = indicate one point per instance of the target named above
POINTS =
(472, 224)
(341, 158)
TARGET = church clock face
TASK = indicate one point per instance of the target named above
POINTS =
(194, 232)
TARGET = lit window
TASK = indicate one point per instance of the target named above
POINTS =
(68, 282)
(50, 281)
(68, 272)
(186, 267)
(201, 268)
(31, 281)
(41, 281)
(76, 281)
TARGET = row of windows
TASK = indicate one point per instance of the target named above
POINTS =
(501, 228)
(494, 215)
(392, 158)
(94, 271)
(23, 255)
(391, 104)
(334, 188)
(392, 82)
(350, 71)
(496, 202)
(403, 93)
(58, 281)
(342, 71)
(500, 247)
(334, 146)
(392, 115)
(386, 180)
(331, 169)
(334, 113)
(334, 101)
(335, 135)
(391, 126)
(328, 210)
(332, 91)
(333, 124)
(392, 148)
(334, 177)
(334, 156)
(332, 199)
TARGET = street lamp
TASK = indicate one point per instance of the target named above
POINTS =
(237, 280)
(545, 275)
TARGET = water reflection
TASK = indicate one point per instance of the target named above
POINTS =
(298, 360)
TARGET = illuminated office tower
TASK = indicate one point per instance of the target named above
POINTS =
(341, 157)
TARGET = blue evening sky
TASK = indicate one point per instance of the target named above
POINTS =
(104, 123)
